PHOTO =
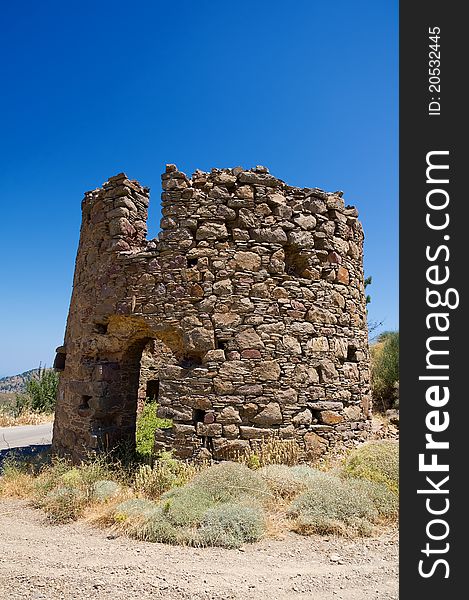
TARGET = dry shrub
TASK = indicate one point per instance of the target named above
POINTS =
(271, 451)
(220, 506)
(185, 506)
(376, 461)
(282, 481)
(16, 479)
(156, 527)
(134, 507)
(62, 504)
(166, 473)
(63, 491)
(384, 500)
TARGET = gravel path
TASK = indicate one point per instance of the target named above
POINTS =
(39, 561)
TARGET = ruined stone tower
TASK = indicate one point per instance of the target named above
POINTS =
(249, 309)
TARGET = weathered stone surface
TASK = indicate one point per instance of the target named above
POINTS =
(230, 431)
(258, 179)
(291, 344)
(212, 231)
(327, 371)
(229, 415)
(329, 417)
(245, 191)
(247, 261)
(209, 430)
(305, 375)
(270, 415)
(301, 239)
(233, 369)
(272, 236)
(268, 370)
(326, 405)
(287, 396)
(246, 316)
(303, 418)
(315, 445)
(343, 276)
(352, 413)
(319, 344)
(254, 433)
(248, 338)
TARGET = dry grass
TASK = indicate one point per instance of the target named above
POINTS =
(270, 451)
(16, 481)
(165, 474)
(225, 504)
(27, 417)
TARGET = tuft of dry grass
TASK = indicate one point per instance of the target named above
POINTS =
(16, 480)
(165, 474)
(272, 450)
(26, 417)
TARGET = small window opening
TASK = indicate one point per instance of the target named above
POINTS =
(352, 354)
(59, 361)
(152, 390)
(198, 415)
(192, 262)
(189, 362)
(221, 344)
(85, 403)
(100, 328)
(295, 262)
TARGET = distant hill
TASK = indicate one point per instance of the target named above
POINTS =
(15, 384)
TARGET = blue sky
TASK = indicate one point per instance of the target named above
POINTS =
(309, 89)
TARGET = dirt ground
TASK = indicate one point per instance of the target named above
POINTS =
(39, 561)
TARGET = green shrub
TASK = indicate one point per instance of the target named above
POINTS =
(384, 500)
(376, 461)
(229, 481)
(135, 507)
(385, 369)
(184, 507)
(105, 489)
(231, 525)
(333, 505)
(147, 424)
(155, 527)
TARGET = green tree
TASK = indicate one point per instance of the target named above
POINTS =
(368, 282)
(41, 390)
(385, 368)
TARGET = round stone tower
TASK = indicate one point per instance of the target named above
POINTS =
(252, 300)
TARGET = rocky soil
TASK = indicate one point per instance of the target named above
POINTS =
(39, 561)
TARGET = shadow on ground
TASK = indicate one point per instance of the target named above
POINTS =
(35, 452)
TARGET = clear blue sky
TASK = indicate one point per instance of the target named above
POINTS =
(307, 88)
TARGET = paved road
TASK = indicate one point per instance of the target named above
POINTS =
(25, 435)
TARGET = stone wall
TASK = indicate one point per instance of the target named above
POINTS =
(254, 296)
